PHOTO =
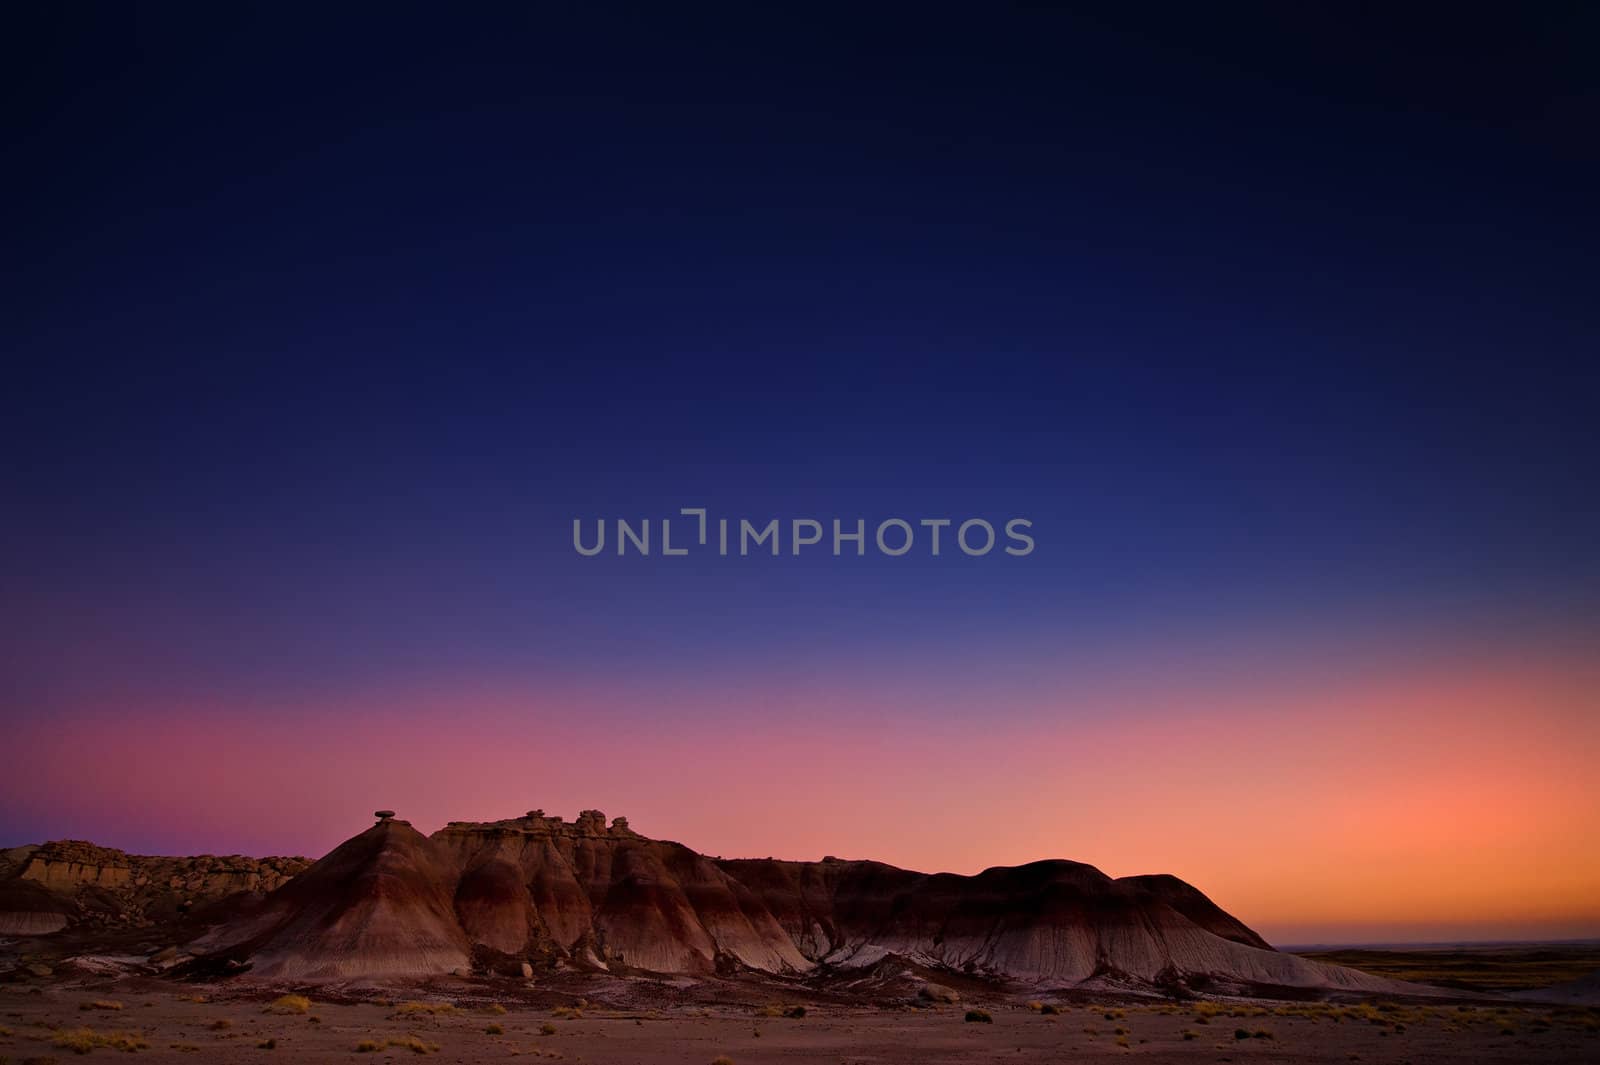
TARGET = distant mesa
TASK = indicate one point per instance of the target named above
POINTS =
(534, 893)
(70, 885)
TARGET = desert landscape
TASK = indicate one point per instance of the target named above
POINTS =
(586, 941)
(1080, 517)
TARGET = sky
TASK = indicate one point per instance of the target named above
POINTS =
(1277, 325)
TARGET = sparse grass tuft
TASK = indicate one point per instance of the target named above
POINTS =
(415, 1045)
(571, 1013)
(547, 1029)
(84, 1040)
(775, 1009)
(431, 1009)
(494, 1029)
(289, 1004)
(410, 1042)
(100, 1004)
(495, 1008)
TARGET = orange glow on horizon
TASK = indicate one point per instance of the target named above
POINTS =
(1428, 804)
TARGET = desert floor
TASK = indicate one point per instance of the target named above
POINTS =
(57, 1024)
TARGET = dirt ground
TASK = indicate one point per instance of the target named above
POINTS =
(57, 1024)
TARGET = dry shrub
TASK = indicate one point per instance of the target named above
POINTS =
(410, 1042)
(431, 1009)
(415, 1045)
(289, 1004)
(84, 1040)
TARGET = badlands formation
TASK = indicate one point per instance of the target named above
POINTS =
(537, 894)
(45, 888)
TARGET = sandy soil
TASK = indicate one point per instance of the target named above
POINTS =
(41, 1025)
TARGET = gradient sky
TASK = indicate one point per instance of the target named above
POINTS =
(1279, 326)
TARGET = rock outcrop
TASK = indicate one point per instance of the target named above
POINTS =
(28, 908)
(45, 888)
(526, 894)
(379, 906)
(1055, 923)
(522, 896)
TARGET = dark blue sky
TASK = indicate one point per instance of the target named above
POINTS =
(322, 326)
